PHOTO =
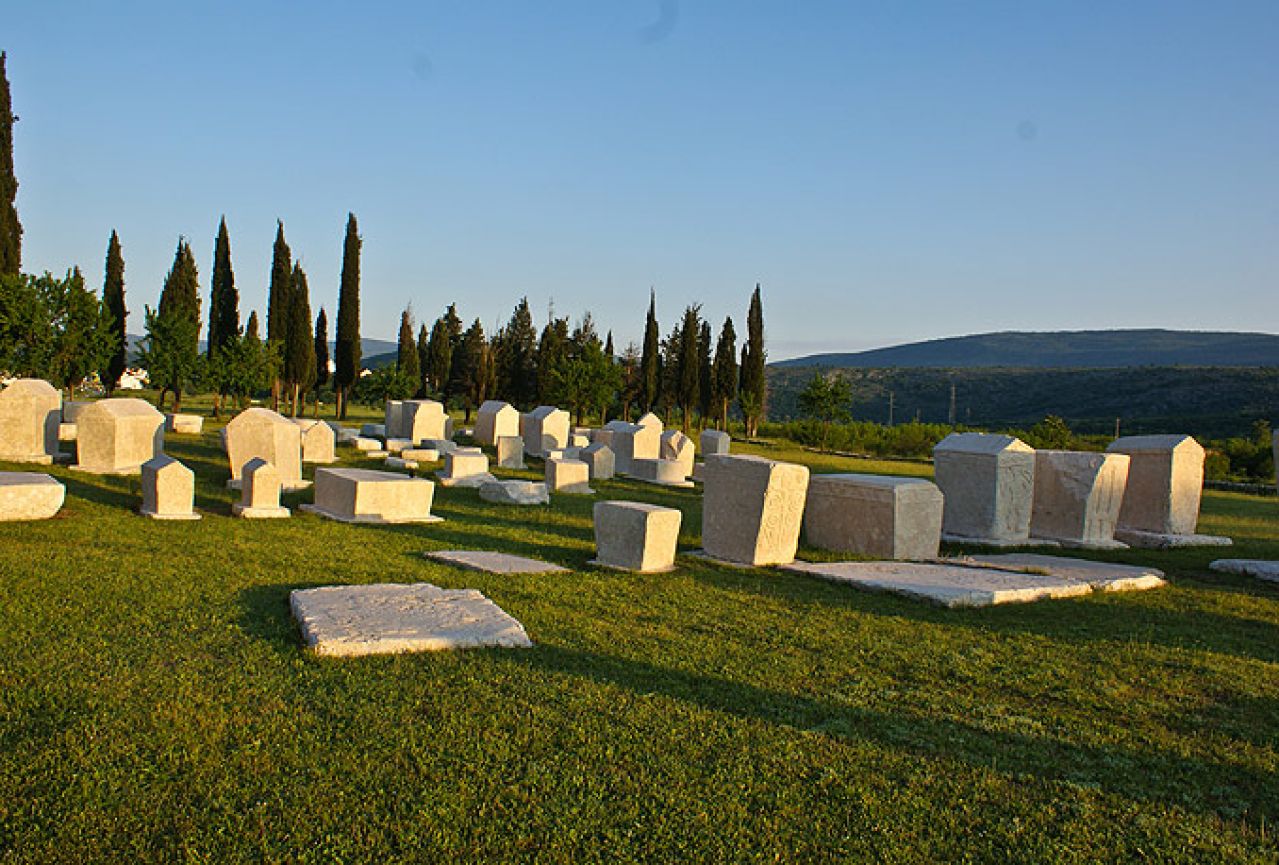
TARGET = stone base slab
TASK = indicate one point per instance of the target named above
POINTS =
(159, 516)
(950, 585)
(235, 484)
(1001, 543)
(474, 481)
(1157, 541)
(1262, 569)
(494, 563)
(252, 513)
(366, 519)
(1101, 576)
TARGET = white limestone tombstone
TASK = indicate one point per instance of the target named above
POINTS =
(633, 442)
(679, 448)
(319, 442)
(464, 469)
(510, 451)
(363, 496)
(29, 496)
(713, 441)
(671, 473)
(752, 509)
(259, 492)
(30, 414)
(599, 459)
(988, 482)
(874, 515)
(568, 476)
(184, 424)
(168, 490)
(260, 432)
(393, 418)
(1165, 482)
(652, 421)
(422, 419)
(546, 421)
(634, 536)
(1077, 498)
(495, 420)
(116, 436)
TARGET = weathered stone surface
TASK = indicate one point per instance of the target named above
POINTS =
(679, 448)
(495, 563)
(752, 509)
(1160, 541)
(184, 424)
(668, 473)
(515, 493)
(988, 482)
(363, 496)
(420, 455)
(599, 459)
(579, 441)
(603, 436)
(71, 409)
(1262, 569)
(545, 422)
(510, 451)
(400, 463)
(116, 436)
(393, 417)
(396, 445)
(496, 420)
(1077, 497)
(373, 430)
(259, 492)
(365, 444)
(651, 421)
(568, 476)
(67, 432)
(388, 618)
(948, 585)
(319, 442)
(464, 469)
(168, 490)
(634, 536)
(1165, 481)
(30, 413)
(420, 420)
(1101, 576)
(632, 442)
(261, 433)
(449, 431)
(442, 446)
(874, 515)
(714, 442)
(29, 496)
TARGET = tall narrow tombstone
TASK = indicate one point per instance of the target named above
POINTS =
(510, 452)
(30, 415)
(260, 492)
(752, 509)
(260, 432)
(495, 420)
(168, 490)
(1077, 498)
(988, 482)
(1165, 482)
(116, 436)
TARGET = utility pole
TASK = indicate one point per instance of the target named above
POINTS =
(890, 408)
(1116, 427)
(952, 403)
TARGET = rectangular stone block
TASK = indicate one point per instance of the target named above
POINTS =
(988, 482)
(668, 473)
(464, 468)
(495, 420)
(632, 442)
(752, 509)
(510, 451)
(116, 436)
(874, 515)
(422, 419)
(1165, 482)
(568, 476)
(634, 536)
(363, 496)
(184, 424)
(1078, 496)
(29, 496)
(714, 442)
(30, 414)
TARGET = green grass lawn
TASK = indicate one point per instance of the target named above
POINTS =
(156, 705)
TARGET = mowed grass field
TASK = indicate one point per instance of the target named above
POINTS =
(156, 704)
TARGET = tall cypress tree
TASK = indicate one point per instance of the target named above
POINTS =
(705, 377)
(321, 356)
(552, 353)
(423, 360)
(116, 313)
(174, 328)
(277, 302)
(650, 362)
(10, 228)
(224, 300)
(439, 352)
(690, 376)
(347, 348)
(299, 341)
(753, 394)
(724, 372)
(406, 361)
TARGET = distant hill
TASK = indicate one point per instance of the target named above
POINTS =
(1079, 349)
(369, 347)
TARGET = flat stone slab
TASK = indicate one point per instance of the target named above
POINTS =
(1101, 576)
(1158, 541)
(389, 618)
(29, 496)
(494, 563)
(999, 543)
(947, 585)
(471, 481)
(1262, 569)
(515, 493)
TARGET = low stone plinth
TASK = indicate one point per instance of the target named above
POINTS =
(634, 536)
(494, 563)
(365, 496)
(29, 496)
(1161, 541)
(667, 473)
(1100, 576)
(67, 432)
(400, 463)
(464, 470)
(949, 585)
(515, 493)
(395, 446)
(387, 618)
(874, 515)
(260, 492)
(568, 476)
(421, 455)
(168, 490)
(184, 424)
(1261, 569)
(366, 444)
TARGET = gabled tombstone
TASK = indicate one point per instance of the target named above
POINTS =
(319, 442)
(714, 442)
(495, 420)
(116, 436)
(259, 492)
(168, 490)
(546, 422)
(1161, 501)
(988, 482)
(264, 434)
(30, 415)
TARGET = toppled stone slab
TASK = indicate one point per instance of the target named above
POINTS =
(1101, 576)
(948, 585)
(1160, 541)
(1262, 569)
(515, 493)
(387, 618)
(29, 496)
(494, 563)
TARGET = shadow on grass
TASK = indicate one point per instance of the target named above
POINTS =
(1231, 791)
(265, 614)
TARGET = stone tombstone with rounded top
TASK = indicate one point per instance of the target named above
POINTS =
(1077, 497)
(30, 417)
(319, 442)
(496, 419)
(510, 452)
(546, 422)
(260, 432)
(259, 492)
(874, 515)
(1165, 482)
(568, 476)
(714, 442)
(168, 490)
(679, 448)
(116, 436)
(599, 459)
(364, 496)
(29, 496)
(632, 442)
(989, 483)
(634, 536)
(752, 509)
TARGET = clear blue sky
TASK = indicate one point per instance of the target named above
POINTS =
(888, 171)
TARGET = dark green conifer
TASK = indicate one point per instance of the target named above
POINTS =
(347, 350)
(116, 315)
(10, 227)
(650, 360)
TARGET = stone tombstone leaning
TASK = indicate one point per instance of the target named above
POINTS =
(118, 435)
(752, 509)
(988, 482)
(30, 416)
(1165, 482)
